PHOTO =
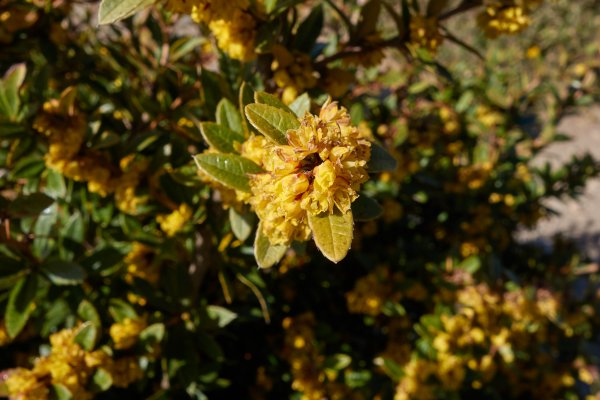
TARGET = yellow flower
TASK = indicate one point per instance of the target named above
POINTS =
(319, 170)
(64, 126)
(293, 72)
(371, 292)
(139, 263)
(24, 384)
(172, 223)
(425, 33)
(125, 334)
(231, 23)
(506, 17)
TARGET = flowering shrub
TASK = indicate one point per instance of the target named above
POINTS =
(292, 199)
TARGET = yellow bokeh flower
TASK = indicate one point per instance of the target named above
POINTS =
(293, 72)
(125, 334)
(230, 21)
(425, 32)
(174, 222)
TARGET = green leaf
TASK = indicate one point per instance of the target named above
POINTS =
(223, 316)
(309, 30)
(9, 90)
(301, 105)
(332, 233)
(246, 96)
(210, 346)
(60, 392)
(270, 100)
(152, 335)
(74, 228)
(55, 185)
(265, 253)
(87, 312)
(27, 168)
(9, 130)
(115, 10)
(120, 310)
(241, 223)
(365, 208)
(470, 264)
(271, 122)
(229, 116)
(184, 46)
(87, 336)
(381, 160)
(102, 259)
(63, 272)
(101, 380)
(10, 271)
(20, 305)
(220, 137)
(229, 169)
(29, 205)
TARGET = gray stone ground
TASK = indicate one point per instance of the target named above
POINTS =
(579, 219)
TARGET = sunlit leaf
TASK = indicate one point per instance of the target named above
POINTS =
(271, 122)
(220, 137)
(332, 233)
(265, 253)
(115, 10)
(229, 169)
(229, 116)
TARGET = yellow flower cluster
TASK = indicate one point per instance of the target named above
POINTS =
(506, 16)
(319, 170)
(125, 184)
(293, 72)
(65, 128)
(471, 177)
(125, 334)
(483, 337)
(139, 264)
(174, 222)
(425, 32)
(372, 291)
(308, 374)
(231, 22)
(71, 366)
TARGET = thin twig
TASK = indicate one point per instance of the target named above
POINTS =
(259, 297)
(466, 5)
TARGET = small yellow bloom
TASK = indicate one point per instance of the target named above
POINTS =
(125, 334)
(425, 32)
(174, 222)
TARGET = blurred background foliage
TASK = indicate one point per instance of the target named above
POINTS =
(123, 273)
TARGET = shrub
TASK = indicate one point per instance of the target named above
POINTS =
(292, 199)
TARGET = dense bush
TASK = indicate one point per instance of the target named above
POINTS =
(149, 165)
